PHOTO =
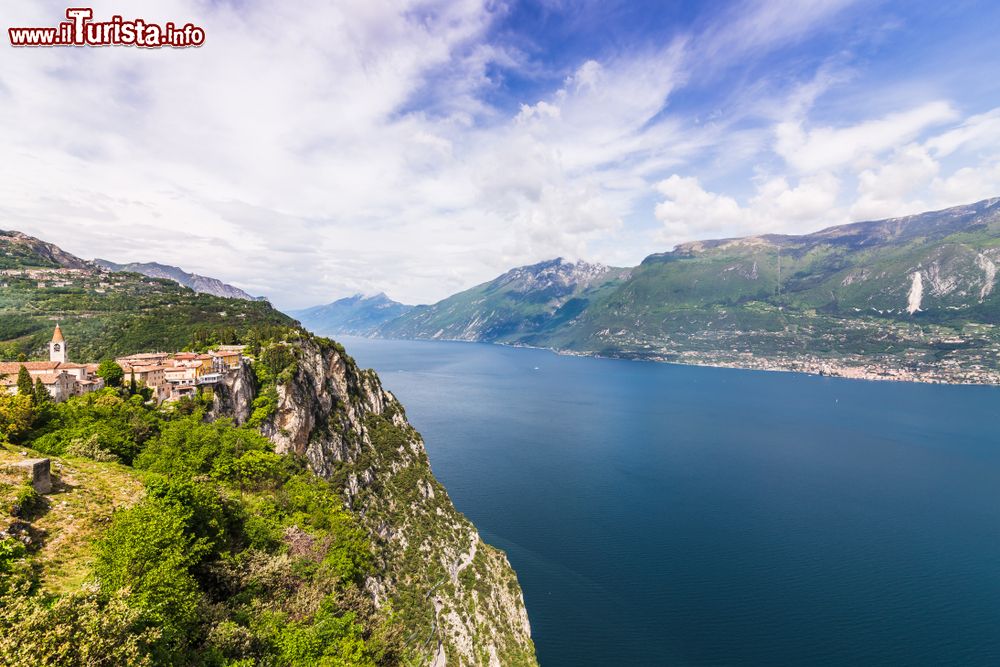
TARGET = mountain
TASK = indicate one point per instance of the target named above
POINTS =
(354, 315)
(19, 250)
(108, 313)
(906, 298)
(200, 284)
(516, 306)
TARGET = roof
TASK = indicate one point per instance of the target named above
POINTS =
(144, 355)
(51, 378)
(14, 367)
(57, 336)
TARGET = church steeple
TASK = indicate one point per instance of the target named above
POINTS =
(57, 348)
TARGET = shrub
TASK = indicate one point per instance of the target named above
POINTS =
(26, 501)
(148, 552)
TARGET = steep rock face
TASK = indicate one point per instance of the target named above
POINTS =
(458, 595)
(234, 395)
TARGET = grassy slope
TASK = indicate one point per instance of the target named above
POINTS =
(85, 494)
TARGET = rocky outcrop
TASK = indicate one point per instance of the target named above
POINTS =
(458, 596)
(234, 395)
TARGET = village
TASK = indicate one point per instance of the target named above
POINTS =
(169, 375)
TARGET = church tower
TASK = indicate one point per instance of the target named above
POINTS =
(57, 348)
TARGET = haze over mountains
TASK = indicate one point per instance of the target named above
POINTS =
(905, 294)
(356, 315)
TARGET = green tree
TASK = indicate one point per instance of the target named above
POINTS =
(16, 415)
(41, 394)
(133, 388)
(112, 373)
(24, 385)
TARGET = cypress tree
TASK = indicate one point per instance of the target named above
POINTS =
(42, 395)
(25, 387)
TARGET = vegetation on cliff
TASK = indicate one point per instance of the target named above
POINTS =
(312, 533)
(227, 553)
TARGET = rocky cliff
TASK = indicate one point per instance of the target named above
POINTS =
(457, 596)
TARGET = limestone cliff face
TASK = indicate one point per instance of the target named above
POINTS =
(234, 395)
(458, 596)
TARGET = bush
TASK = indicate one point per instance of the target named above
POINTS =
(148, 552)
(17, 413)
(77, 630)
(89, 447)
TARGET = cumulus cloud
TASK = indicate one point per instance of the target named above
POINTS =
(689, 211)
(314, 149)
(831, 147)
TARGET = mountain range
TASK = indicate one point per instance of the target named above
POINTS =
(911, 297)
(200, 284)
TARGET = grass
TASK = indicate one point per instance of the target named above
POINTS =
(84, 495)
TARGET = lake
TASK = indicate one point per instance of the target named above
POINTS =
(660, 514)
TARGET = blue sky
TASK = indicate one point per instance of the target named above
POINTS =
(312, 150)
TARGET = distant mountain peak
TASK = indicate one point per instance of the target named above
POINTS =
(558, 274)
(199, 283)
(357, 315)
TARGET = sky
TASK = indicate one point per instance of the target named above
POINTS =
(312, 150)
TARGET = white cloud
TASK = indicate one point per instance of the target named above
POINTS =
(691, 212)
(888, 190)
(315, 149)
(830, 147)
(979, 131)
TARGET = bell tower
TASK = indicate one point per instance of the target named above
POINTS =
(57, 348)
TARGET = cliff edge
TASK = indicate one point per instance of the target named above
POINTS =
(458, 595)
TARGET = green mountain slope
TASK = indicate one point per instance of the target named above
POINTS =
(288, 517)
(910, 298)
(512, 308)
(109, 313)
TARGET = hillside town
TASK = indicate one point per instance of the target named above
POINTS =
(170, 375)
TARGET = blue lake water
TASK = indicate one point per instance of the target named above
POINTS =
(661, 514)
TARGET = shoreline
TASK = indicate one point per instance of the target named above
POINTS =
(812, 367)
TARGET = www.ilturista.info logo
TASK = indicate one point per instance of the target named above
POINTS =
(82, 30)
